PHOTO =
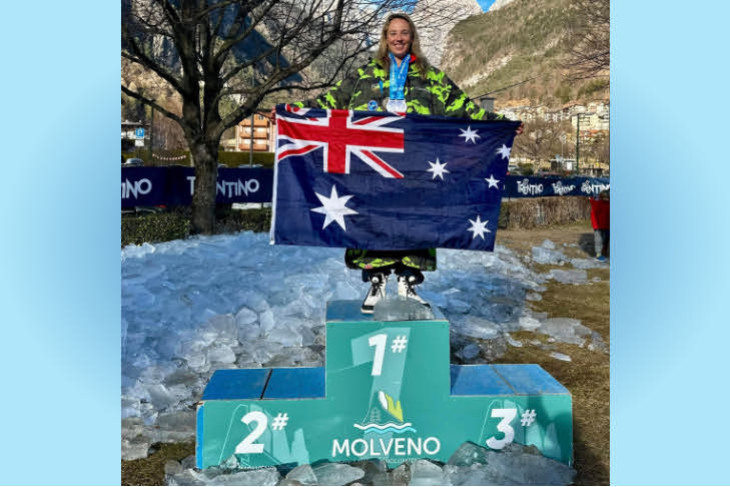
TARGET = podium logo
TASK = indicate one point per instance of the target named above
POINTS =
(375, 447)
(386, 402)
(381, 429)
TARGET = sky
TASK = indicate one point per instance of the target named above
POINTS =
(485, 4)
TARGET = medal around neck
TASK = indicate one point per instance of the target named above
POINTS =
(398, 76)
(395, 106)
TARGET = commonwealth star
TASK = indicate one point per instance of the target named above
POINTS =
(334, 208)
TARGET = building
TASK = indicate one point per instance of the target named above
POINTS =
(486, 102)
(591, 121)
(264, 133)
(128, 136)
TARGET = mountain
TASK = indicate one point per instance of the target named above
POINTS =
(499, 4)
(515, 53)
(432, 30)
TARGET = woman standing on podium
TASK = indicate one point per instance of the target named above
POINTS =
(399, 80)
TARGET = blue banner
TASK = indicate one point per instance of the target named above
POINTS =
(173, 185)
(370, 180)
(534, 187)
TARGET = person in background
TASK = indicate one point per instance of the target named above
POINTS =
(398, 79)
(600, 219)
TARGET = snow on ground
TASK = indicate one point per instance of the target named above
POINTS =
(190, 307)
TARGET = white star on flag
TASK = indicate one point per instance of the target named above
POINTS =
(478, 227)
(334, 208)
(470, 135)
(504, 151)
(438, 169)
(492, 182)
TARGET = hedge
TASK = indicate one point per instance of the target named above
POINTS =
(138, 228)
(174, 224)
(230, 159)
(235, 159)
(535, 212)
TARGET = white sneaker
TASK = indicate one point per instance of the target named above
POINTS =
(406, 289)
(376, 292)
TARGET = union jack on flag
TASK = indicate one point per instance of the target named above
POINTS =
(341, 135)
(381, 181)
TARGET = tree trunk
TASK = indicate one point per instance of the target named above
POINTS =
(205, 158)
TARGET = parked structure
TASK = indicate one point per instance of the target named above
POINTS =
(486, 102)
(264, 133)
(129, 137)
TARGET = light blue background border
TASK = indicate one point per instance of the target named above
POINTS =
(59, 277)
(670, 317)
(59, 244)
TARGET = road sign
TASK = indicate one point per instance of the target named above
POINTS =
(139, 143)
(139, 133)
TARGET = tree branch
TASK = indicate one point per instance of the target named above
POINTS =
(139, 57)
(153, 104)
(226, 47)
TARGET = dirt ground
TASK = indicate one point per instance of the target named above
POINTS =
(586, 376)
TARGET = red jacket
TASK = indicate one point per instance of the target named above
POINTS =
(600, 214)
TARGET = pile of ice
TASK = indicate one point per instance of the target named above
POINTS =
(190, 307)
(469, 465)
(546, 253)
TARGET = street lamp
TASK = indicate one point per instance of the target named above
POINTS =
(577, 140)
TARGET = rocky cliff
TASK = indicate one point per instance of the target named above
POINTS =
(435, 18)
(516, 53)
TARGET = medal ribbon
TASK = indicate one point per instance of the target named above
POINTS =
(398, 75)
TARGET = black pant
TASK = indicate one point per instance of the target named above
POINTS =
(399, 269)
(420, 259)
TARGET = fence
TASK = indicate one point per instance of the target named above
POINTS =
(173, 186)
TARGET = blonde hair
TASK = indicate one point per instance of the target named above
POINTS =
(382, 55)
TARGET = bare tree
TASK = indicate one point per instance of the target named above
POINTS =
(589, 55)
(541, 140)
(223, 57)
(168, 134)
(599, 147)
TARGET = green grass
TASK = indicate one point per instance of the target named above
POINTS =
(587, 375)
(151, 470)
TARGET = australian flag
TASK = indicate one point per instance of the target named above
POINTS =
(384, 181)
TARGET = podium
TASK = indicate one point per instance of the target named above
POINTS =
(388, 392)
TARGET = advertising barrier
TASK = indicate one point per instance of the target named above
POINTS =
(533, 187)
(173, 186)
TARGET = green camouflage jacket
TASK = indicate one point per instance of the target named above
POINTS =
(432, 93)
